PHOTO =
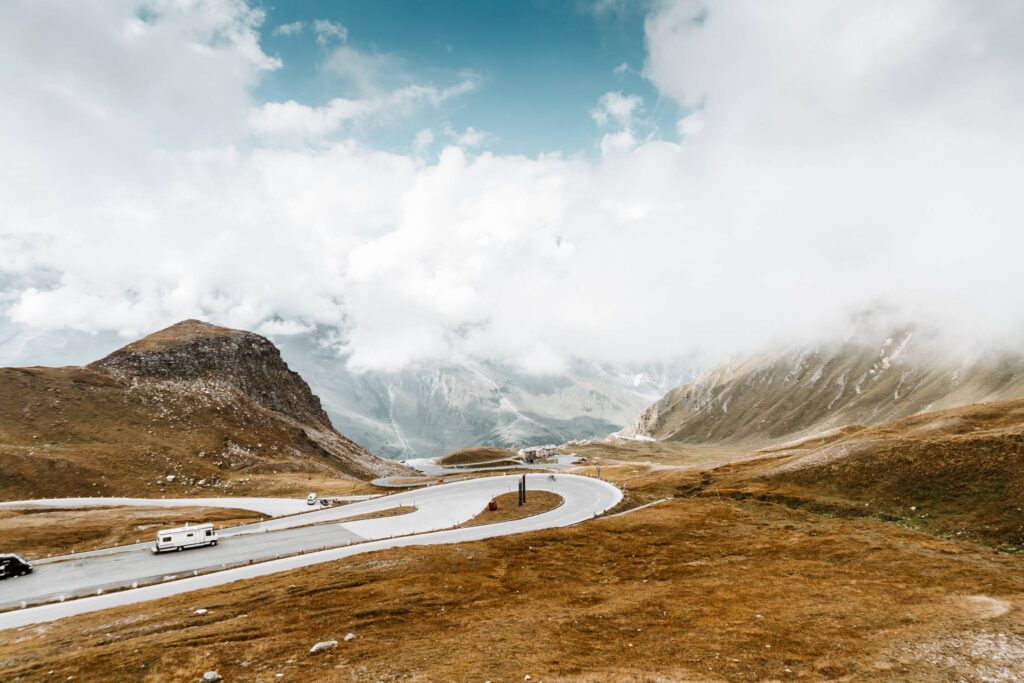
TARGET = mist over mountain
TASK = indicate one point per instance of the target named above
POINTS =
(807, 390)
(429, 408)
(432, 408)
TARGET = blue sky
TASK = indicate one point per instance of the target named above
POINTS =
(541, 66)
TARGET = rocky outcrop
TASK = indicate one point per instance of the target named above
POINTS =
(195, 351)
(194, 357)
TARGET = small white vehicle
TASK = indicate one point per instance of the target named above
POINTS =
(311, 499)
(185, 537)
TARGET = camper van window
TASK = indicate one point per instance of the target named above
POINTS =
(166, 539)
(190, 535)
(209, 533)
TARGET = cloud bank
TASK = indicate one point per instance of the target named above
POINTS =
(830, 157)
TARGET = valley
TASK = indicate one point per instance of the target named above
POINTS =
(886, 549)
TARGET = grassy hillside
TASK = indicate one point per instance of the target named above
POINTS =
(213, 416)
(957, 472)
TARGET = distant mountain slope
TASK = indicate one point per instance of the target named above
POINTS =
(435, 408)
(798, 392)
(204, 405)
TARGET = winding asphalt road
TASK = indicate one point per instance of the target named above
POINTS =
(438, 508)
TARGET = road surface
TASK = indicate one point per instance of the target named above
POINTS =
(438, 508)
(273, 507)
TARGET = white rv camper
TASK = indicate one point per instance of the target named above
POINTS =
(185, 537)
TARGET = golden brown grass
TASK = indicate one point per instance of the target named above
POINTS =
(41, 532)
(661, 453)
(76, 431)
(957, 472)
(509, 508)
(699, 589)
(470, 456)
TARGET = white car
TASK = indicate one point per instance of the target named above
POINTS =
(185, 537)
(311, 499)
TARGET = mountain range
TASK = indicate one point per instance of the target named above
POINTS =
(434, 408)
(427, 409)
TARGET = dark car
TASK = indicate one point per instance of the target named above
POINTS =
(12, 565)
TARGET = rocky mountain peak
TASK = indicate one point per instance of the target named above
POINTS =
(193, 350)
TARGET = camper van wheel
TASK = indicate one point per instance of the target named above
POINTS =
(213, 542)
(180, 548)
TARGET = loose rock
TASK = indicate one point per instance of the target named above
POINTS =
(323, 646)
(211, 676)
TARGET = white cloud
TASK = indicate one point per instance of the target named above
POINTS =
(621, 69)
(623, 141)
(292, 29)
(875, 163)
(327, 31)
(614, 107)
(292, 120)
(423, 141)
(468, 138)
(368, 71)
(691, 124)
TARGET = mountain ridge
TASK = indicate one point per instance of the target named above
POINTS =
(800, 391)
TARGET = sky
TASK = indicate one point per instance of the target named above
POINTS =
(526, 182)
(537, 67)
